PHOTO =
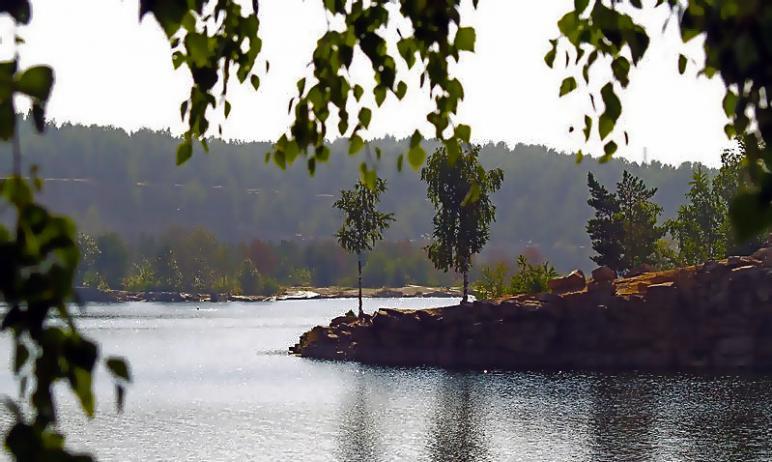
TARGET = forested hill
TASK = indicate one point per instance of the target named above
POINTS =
(109, 180)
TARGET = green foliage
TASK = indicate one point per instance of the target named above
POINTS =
(703, 229)
(639, 217)
(89, 251)
(492, 282)
(624, 230)
(37, 267)
(460, 191)
(260, 267)
(141, 278)
(166, 271)
(300, 277)
(113, 186)
(605, 228)
(698, 229)
(531, 278)
(665, 255)
(363, 224)
(112, 262)
(249, 277)
(213, 37)
(736, 48)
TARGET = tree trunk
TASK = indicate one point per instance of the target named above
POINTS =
(466, 288)
(359, 270)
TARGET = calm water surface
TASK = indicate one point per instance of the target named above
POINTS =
(213, 382)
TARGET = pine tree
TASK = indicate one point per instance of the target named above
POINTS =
(639, 216)
(624, 230)
(606, 228)
(699, 228)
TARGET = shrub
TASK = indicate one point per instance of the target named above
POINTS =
(531, 278)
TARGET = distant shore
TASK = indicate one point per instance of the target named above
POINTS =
(94, 295)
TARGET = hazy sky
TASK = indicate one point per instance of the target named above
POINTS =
(113, 70)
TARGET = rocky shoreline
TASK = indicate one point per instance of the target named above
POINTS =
(93, 295)
(716, 316)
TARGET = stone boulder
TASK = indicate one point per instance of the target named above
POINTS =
(643, 268)
(603, 274)
(345, 319)
(764, 255)
(573, 282)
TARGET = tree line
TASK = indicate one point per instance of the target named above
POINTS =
(627, 232)
(193, 259)
(629, 236)
(109, 180)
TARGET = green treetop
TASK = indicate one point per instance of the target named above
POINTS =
(605, 229)
(460, 190)
(624, 230)
(640, 215)
(703, 228)
(363, 223)
(698, 230)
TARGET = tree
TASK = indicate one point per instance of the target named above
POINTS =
(460, 190)
(249, 278)
(639, 221)
(736, 49)
(733, 179)
(113, 259)
(166, 270)
(89, 252)
(605, 229)
(624, 230)
(141, 277)
(363, 223)
(698, 229)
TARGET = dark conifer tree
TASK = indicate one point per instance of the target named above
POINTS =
(605, 228)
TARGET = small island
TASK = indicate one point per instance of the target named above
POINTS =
(713, 316)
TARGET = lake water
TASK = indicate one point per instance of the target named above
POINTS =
(213, 382)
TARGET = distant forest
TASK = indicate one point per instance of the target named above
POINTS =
(112, 181)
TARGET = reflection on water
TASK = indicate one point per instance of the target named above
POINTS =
(214, 385)
(456, 432)
(358, 433)
(622, 419)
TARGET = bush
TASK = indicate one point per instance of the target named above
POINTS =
(531, 278)
(141, 278)
(492, 282)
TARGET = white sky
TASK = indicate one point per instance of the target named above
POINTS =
(113, 70)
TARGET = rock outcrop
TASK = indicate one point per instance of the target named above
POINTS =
(713, 316)
(573, 282)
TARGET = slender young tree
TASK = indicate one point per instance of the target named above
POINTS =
(460, 191)
(363, 223)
